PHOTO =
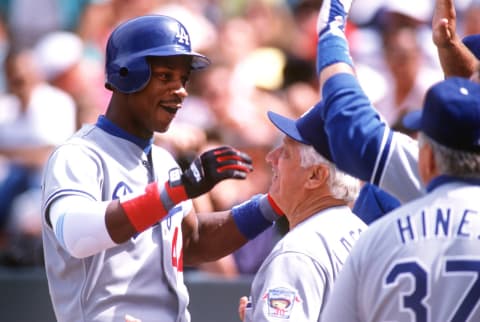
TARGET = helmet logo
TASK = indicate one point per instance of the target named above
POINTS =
(183, 37)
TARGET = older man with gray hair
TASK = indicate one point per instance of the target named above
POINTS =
(296, 278)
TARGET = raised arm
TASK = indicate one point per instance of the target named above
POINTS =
(455, 58)
(361, 143)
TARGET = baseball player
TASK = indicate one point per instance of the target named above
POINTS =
(295, 280)
(118, 223)
(370, 150)
(421, 262)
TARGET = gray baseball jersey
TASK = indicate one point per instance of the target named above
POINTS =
(420, 263)
(296, 278)
(142, 277)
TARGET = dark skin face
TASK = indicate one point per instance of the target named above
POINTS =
(153, 108)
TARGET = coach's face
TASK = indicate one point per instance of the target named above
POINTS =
(154, 107)
(288, 177)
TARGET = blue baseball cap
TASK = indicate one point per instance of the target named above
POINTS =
(450, 114)
(308, 129)
(472, 42)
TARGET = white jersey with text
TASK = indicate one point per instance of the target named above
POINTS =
(296, 278)
(420, 263)
(142, 277)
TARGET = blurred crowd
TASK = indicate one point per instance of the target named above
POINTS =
(263, 54)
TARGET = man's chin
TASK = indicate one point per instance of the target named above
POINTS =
(162, 128)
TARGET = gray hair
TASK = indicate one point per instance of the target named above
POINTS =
(451, 161)
(342, 186)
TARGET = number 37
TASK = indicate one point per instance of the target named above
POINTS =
(415, 301)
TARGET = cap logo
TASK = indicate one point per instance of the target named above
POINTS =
(183, 37)
(464, 91)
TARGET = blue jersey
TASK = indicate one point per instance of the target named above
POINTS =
(363, 145)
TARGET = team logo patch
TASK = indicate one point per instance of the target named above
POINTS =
(182, 37)
(120, 190)
(279, 302)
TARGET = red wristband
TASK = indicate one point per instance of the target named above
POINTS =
(145, 210)
(176, 193)
(274, 205)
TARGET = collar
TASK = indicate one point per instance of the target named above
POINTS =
(111, 128)
(444, 179)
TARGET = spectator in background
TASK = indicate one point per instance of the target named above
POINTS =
(402, 64)
(27, 21)
(34, 118)
(471, 19)
(99, 19)
(300, 85)
(406, 73)
(4, 48)
(64, 62)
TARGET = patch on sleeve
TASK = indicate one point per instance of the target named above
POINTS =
(279, 302)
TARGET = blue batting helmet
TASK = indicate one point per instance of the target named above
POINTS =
(126, 66)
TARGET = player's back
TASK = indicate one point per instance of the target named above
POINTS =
(427, 260)
(422, 261)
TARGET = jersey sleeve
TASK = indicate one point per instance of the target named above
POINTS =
(73, 170)
(289, 288)
(363, 145)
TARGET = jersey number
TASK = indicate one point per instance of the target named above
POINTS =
(415, 300)
(177, 259)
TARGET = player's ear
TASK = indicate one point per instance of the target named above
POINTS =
(428, 167)
(318, 176)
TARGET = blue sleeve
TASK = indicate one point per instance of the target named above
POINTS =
(359, 139)
(373, 202)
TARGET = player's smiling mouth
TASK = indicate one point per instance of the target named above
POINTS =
(171, 110)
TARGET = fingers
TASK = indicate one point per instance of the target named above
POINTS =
(330, 11)
(443, 33)
(232, 162)
(241, 307)
(443, 22)
(239, 156)
(226, 152)
(232, 173)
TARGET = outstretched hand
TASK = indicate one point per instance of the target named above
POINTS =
(332, 44)
(214, 166)
(333, 15)
(444, 23)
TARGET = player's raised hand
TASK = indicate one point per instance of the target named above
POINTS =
(333, 15)
(214, 166)
(332, 44)
(444, 23)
